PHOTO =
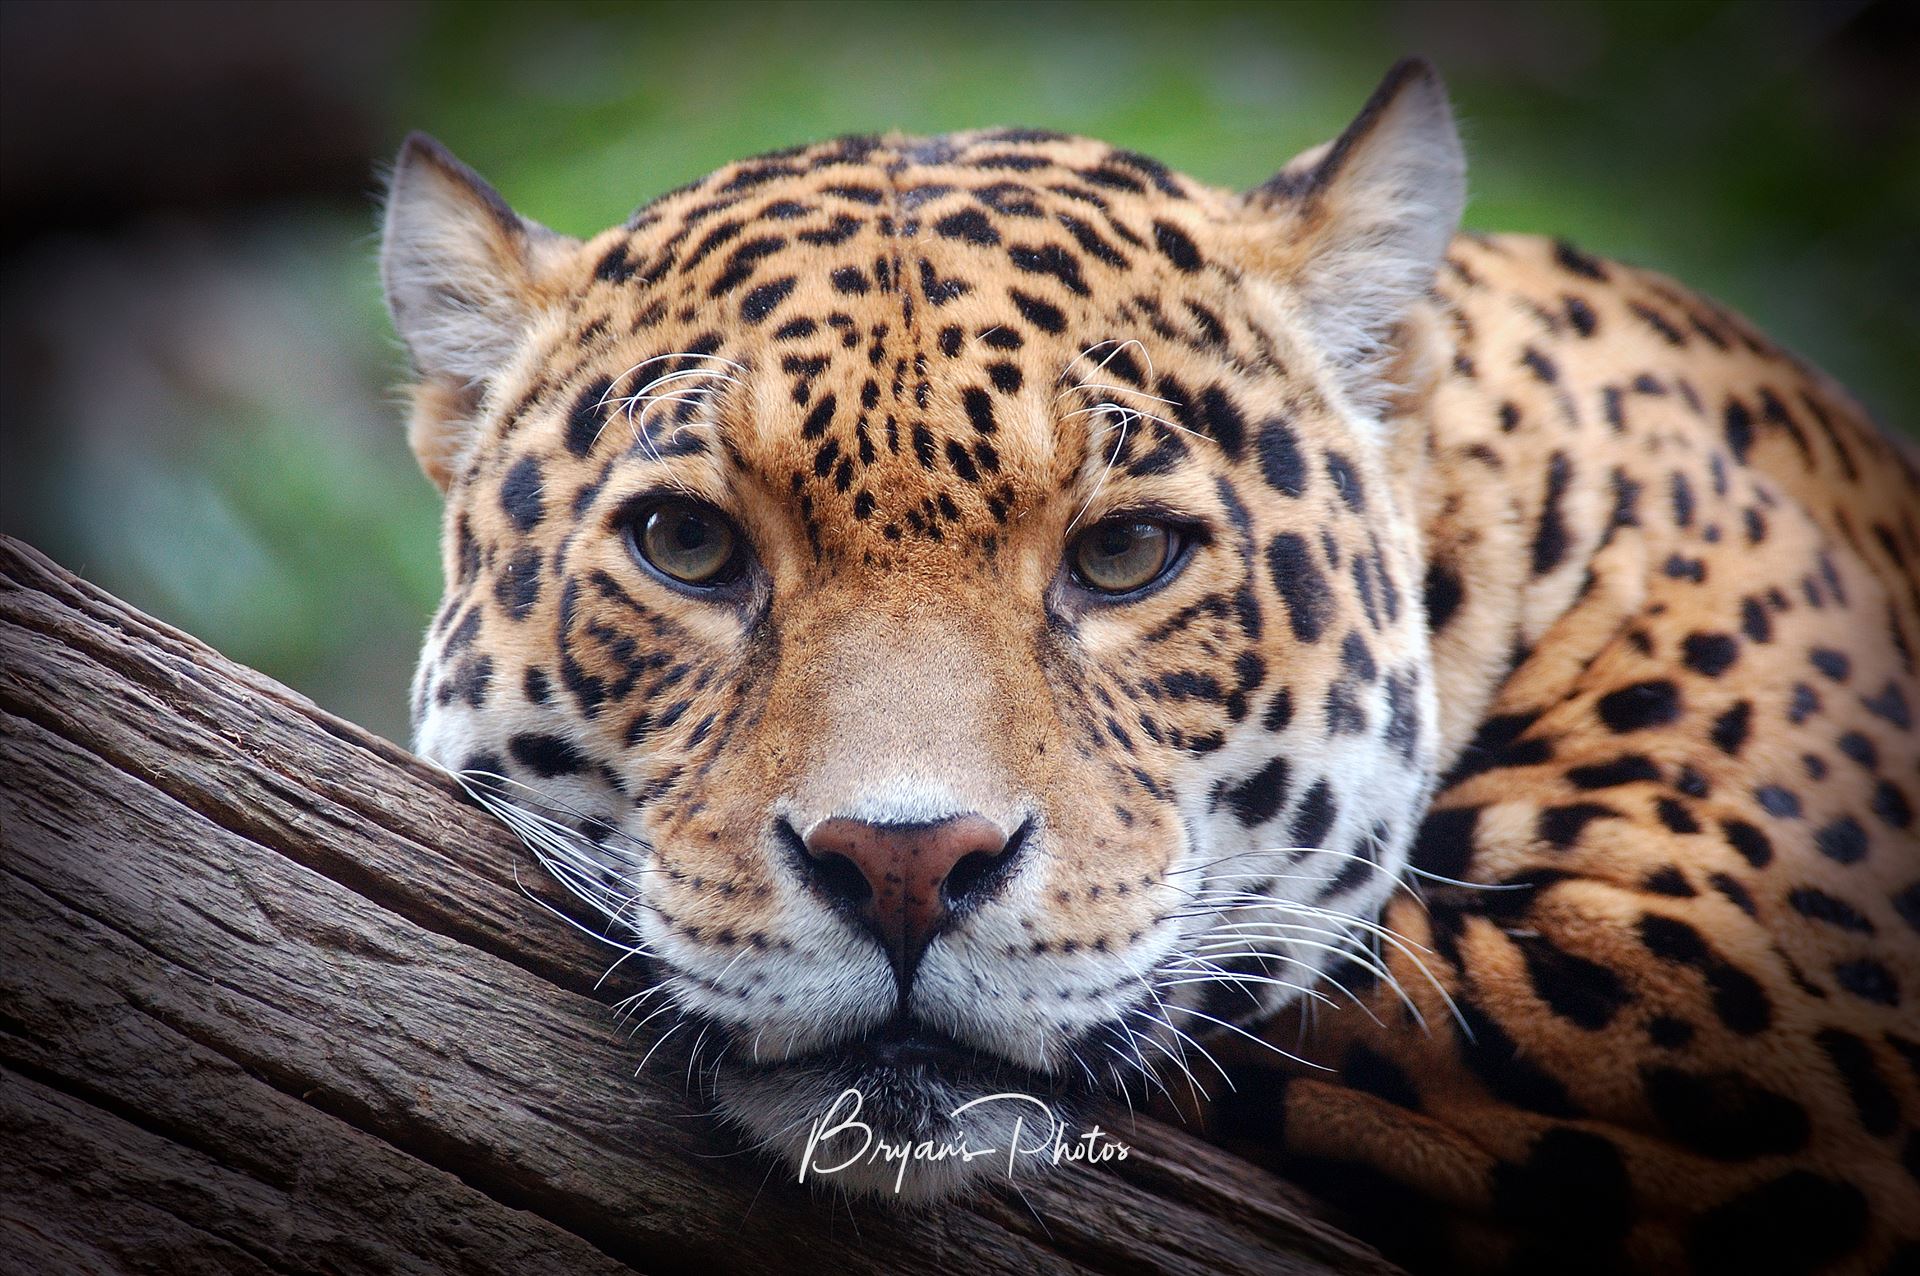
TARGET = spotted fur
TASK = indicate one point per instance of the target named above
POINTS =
(1526, 748)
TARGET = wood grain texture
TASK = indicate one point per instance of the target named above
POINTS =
(274, 998)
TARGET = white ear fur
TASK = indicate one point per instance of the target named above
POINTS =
(1365, 220)
(465, 277)
(456, 262)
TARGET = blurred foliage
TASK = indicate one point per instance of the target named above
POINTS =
(219, 444)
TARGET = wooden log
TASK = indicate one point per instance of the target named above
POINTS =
(273, 997)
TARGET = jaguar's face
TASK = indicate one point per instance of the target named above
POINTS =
(949, 600)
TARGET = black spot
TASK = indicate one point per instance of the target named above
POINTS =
(819, 419)
(1843, 840)
(1798, 1223)
(1041, 314)
(518, 587)
(1444, 845)
(1749, 841)
(1627, 769)
(1260, 796)
(1574, 261)
(1739, 429)
(1754, 621)
(1891, 805)
(546, 755)
(962, 463)
(1550, 538)
(938, 291)
(1810, 901)
(1315, 818)
(1222, 421)
(1005, 377)
(1738, 998)
(1346, 481)
(850, 280)
(969, 224)
(1501, 742)
(1682, 492)
(534, 684)
(1050, 259)
(1280, 458)
(1673, 940)
(1725, 1115)
(1626, 501)
(1669, 881)
(1782, 804)
(1640, 706)
(740, 265)
(1375, 1074)
(1444, 592)
(1581, 316)
(1735, 893)
(1853, 1059)
(762, 300)
(468, 682)
(1680, 567)
(520, 494)
(1709, 654)
(979, 405)
(1832, 663)
(1176, 246)
(1868, 979)
(1730, 729)
(1890, 704)
(1572, 1196)
(1583, 992)
(1675, 816)
(588, 416)
(1669, 1032)
(1301, 585)
(1512, 1078)
(1561, 826)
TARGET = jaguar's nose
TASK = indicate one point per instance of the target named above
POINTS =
(904, 880)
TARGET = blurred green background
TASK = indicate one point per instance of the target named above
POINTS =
(197, 395)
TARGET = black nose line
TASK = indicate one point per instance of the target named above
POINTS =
(1000, 867)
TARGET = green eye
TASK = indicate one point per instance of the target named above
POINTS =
(687, 542)
(1123, 554)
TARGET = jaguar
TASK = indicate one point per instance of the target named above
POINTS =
(989, 613)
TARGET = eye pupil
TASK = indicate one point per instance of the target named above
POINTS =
(690, 533)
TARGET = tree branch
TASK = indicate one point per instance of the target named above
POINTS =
(275, 998)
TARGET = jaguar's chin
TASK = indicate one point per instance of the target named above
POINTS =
(903, 1115)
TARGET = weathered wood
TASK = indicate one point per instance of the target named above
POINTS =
(273, 998)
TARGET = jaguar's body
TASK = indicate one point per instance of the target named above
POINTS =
(1477, 558)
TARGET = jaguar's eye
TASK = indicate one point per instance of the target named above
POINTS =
(1122, 555)
(686, 541)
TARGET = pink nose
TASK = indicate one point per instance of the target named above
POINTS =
(904, 879)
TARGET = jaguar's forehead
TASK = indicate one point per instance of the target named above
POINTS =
(911, 337)
(974, 187)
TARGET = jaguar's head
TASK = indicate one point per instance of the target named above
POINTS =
(952, 603)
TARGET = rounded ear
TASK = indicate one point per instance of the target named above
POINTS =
(1355, 229)
(462, 272)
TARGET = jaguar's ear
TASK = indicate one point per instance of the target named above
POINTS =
(462, 273)
(1356, 228)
